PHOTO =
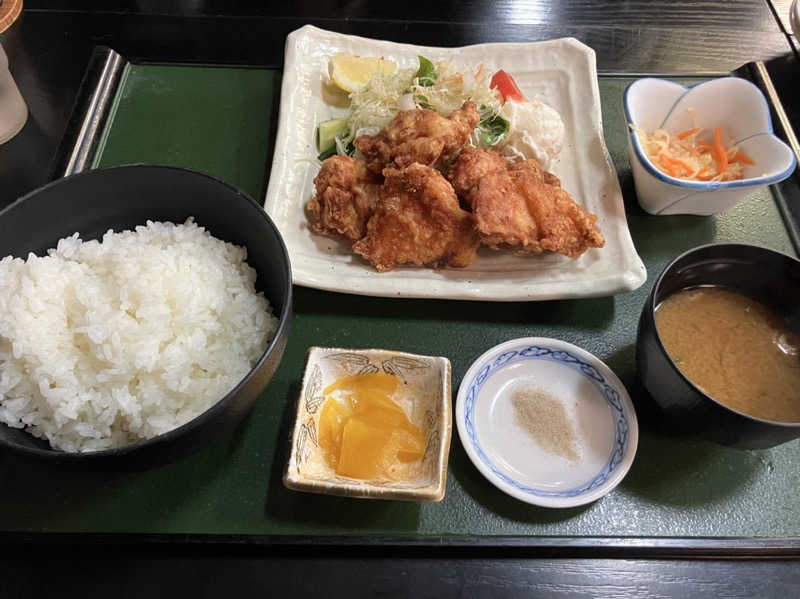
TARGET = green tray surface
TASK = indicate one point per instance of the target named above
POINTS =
(678, 486)
(213, 119)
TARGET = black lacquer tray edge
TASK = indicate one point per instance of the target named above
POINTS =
(76, 152)
(596, 547)
(787, 192)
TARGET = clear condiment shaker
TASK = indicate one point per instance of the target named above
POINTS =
(13, 110)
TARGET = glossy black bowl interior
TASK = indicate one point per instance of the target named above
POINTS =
(761, 274)
(120, 198)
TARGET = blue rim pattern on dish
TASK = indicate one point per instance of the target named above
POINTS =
(702, 185)
(537, 352)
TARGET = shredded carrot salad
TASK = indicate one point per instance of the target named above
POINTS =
(692, 155)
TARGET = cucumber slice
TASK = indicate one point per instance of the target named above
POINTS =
(327, 131)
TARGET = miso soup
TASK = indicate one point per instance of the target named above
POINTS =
(735, 349)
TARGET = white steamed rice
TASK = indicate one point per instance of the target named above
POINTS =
(107, 343)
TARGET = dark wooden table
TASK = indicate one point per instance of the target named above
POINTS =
(49, 48)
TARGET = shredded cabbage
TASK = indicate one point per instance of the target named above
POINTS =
(527, 129)
(379, 101)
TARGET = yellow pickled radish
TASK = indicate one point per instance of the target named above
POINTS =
(407, 445)
(363, 433)
(351, 72)
(364, 450)
(368, 399)
(332, 419)
(378, 381)
(370, 451)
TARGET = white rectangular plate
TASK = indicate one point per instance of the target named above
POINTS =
(559, 72)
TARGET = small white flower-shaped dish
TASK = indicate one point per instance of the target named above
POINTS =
(599, 411)
(425, 395)
(735, 104)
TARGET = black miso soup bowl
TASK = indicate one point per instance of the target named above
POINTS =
(764, 275)
(121, 198)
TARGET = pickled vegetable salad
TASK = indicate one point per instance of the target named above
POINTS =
(685, 155)
(440, 87)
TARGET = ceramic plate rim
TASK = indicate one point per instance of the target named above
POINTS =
(615, 268)
(556, 502)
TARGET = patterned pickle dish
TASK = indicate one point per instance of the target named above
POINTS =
(546, 422)
(424, 393)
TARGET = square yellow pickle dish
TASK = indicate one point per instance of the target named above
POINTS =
(411, 416)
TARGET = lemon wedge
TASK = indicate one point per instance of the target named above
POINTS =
(351, 72)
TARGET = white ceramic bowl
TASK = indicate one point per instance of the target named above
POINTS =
(735, 104)
(599, 408)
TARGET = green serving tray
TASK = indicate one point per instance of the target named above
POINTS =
(222, 120)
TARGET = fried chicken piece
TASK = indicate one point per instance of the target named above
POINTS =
(521, 206)
(535, 172)
(421, 136)
(502, 218)
(472, 166)
(345, 198)
(475, 164)
(564, 226)
(418, 220)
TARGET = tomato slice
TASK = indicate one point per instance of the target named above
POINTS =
(507, 87)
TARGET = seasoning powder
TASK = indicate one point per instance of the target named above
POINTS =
(547, 421)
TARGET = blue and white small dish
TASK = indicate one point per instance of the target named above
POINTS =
(733, 103)
(600, 412)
